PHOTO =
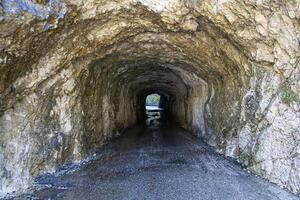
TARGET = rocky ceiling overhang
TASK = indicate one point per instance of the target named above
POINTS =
(73, 74)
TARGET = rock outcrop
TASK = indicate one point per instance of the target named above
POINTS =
(75, 73)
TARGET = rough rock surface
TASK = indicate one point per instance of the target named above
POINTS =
(74, 74)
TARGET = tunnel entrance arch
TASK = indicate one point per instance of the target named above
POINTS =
(84, 90)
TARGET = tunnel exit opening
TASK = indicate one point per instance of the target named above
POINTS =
(155, 106)
(153, 102)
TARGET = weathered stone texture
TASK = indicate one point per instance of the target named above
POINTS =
(73, 74)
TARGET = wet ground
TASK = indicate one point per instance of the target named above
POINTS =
(157, 162)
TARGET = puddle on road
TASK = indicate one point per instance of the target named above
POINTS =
(154, 117)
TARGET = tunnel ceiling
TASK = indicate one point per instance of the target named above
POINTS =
(205, 50)
(74, 74)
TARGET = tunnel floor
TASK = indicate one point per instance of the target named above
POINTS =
(155, 162)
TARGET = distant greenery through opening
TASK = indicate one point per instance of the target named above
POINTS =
(153, 100)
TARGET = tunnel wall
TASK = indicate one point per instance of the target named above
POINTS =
(63, 121)
(188, 112)
(69, 82)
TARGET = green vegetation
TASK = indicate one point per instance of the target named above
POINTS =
(294, 2)
(288, 95)
(153, 100)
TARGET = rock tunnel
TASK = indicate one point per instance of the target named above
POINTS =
(75, 75)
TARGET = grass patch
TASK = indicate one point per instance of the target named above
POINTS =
(288, 95)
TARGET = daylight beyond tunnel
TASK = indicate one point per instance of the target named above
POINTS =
(71, 82)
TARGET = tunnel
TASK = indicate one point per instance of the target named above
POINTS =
(76, 76)
(123, 79)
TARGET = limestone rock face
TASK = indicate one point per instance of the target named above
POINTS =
(74, 74)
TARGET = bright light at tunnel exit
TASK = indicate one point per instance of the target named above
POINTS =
(153, 102)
